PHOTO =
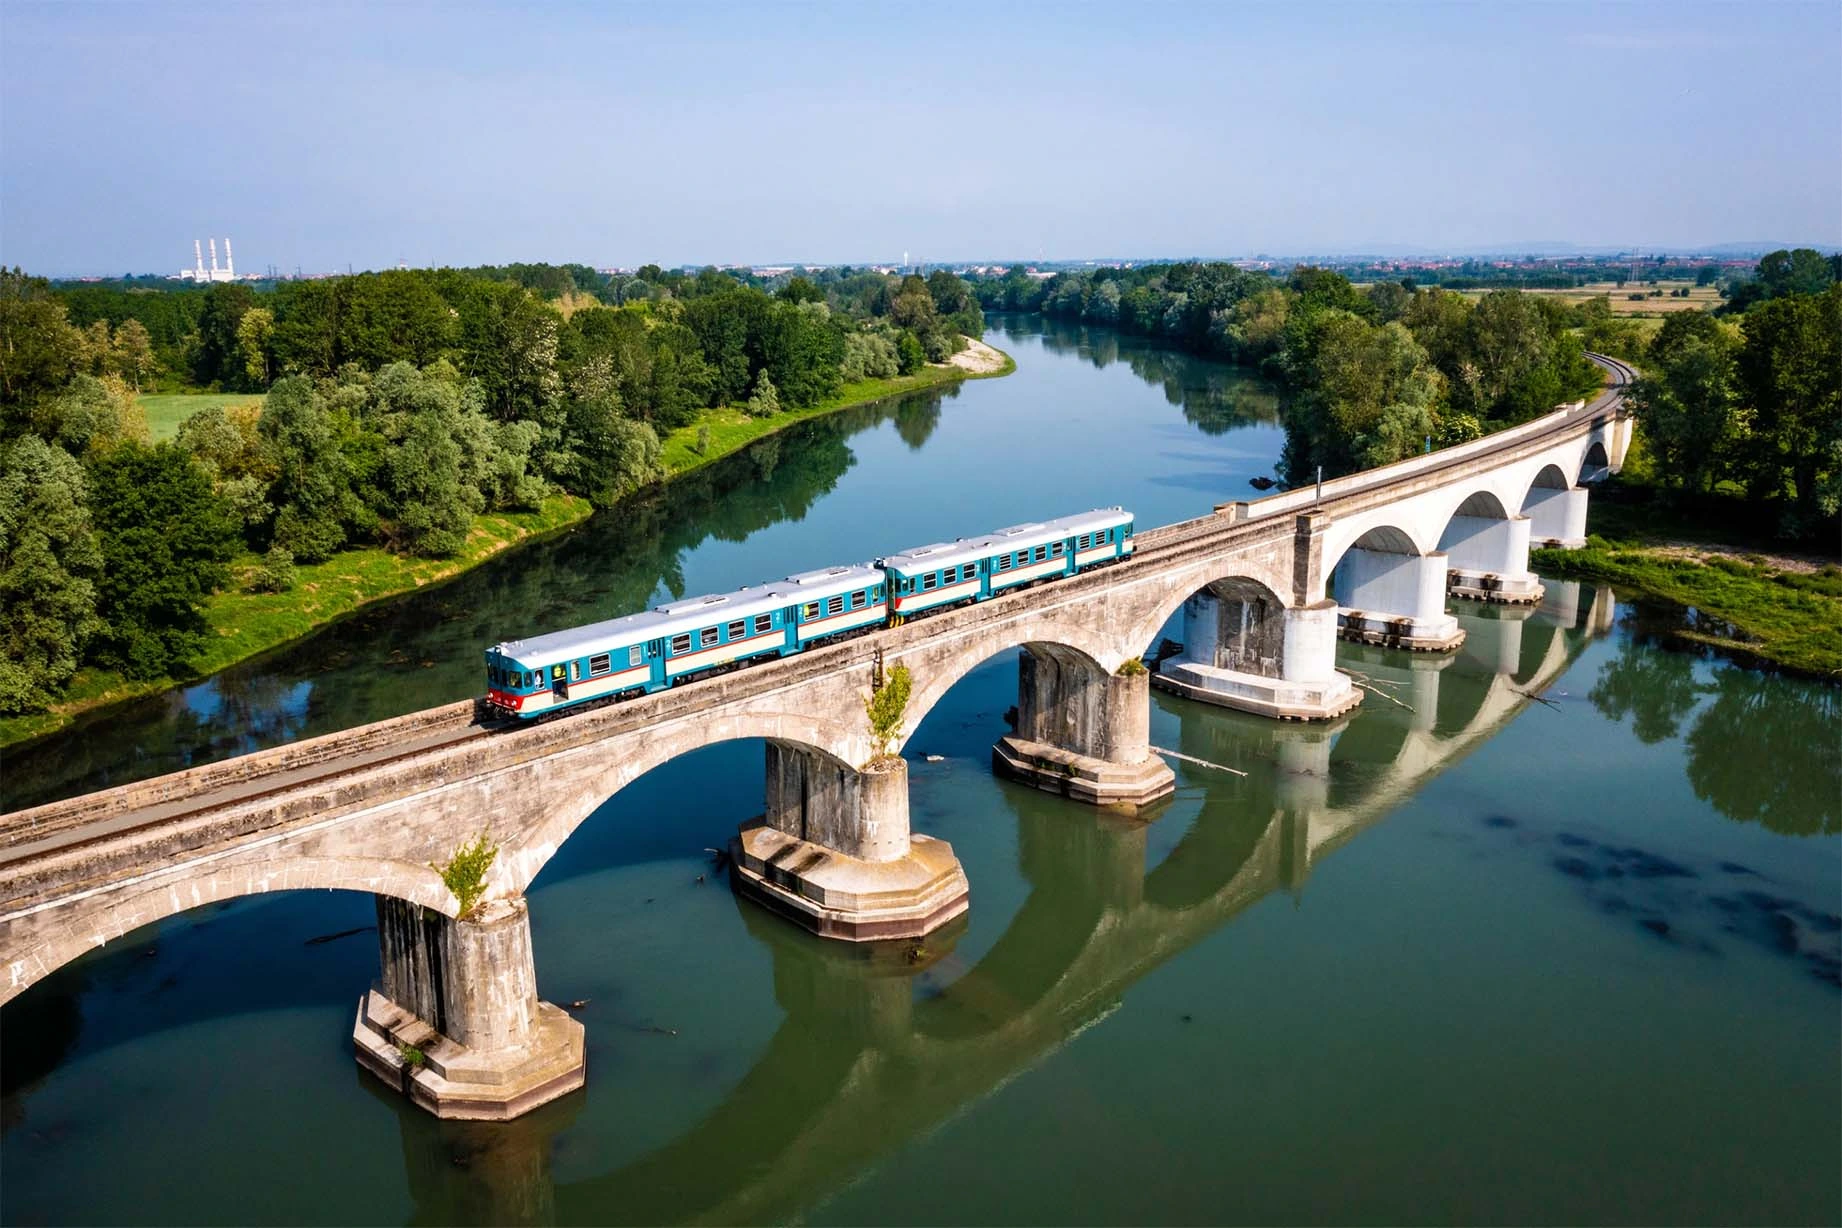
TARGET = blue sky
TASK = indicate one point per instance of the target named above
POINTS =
(322, 135)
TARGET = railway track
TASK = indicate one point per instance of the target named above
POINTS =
(62, 828)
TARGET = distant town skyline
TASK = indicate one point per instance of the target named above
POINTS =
(329, 136)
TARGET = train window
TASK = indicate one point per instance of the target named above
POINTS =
(1042, 552)
(707, 636)
(929, 581)
(1055, 548)
(1004, 562)
(600, 664)
(633, 655)
(764, 623)
(857, 600)
(681, 643)
(809, 610)
(738, 629)
(556, 673)
(835, 605)
(575, 671)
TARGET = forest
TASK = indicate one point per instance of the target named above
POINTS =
(397, 406)
(1745, 400)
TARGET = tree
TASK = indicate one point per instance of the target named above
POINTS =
(166, 537)
(254, 331)
(909, 354)
(764, 402)
(49, 562)
(133, 353)
(217, 357)
(312, 487)
(39, 348)
(1791, 369)
(885, 708)
(1686, 403)
(1802, 271)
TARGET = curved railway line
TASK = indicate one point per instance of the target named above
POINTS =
(59, 829)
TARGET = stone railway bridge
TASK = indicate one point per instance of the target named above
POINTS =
(861, 1062)
(1265, 588)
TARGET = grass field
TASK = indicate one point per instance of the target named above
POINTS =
(165, 411)
(1700, 298)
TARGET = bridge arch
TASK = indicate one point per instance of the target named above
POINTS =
(55, 936)
(1550, 477)
(1595, 462)
(590, 776)
(1069, 646)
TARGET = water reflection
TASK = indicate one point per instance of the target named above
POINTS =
(1215, 397)
(1761, 748)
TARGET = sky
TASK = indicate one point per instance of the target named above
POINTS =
(319, 135)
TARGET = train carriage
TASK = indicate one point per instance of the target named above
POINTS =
(686, 639)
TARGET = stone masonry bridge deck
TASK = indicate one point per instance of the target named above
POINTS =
(373, 809)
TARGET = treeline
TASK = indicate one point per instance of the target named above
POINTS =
(1373, 374)
(402, 405)
(1752, 401)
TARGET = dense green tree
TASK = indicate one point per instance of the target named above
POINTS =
(39, 347)
(217, 354)
(312, 490)
(1791, 370)
(49, 562)
(1686, 403)
(166, 537)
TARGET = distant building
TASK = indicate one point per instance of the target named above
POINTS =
(198, 271)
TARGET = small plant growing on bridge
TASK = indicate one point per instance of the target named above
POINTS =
(465, 873)
(885, 708)
(413, 1057)
(1131, 667)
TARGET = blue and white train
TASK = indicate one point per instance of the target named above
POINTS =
(686, 639)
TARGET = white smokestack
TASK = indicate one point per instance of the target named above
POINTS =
(230, 266)
(213, 243)
(198, 260)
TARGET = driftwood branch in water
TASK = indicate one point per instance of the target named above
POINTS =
(1374, 687)
(1540, 699)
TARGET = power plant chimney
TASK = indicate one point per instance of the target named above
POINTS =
(198, 261)
(213, 243)
(230, 266)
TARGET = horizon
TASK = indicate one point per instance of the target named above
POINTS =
(630, 137)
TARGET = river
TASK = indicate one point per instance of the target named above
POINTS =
(1463, 956)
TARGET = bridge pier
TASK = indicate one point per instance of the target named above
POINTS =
(1243, 650)
(1395, 600)
(833, 852)
(455, 1023)
(1488, 560)
(1082, 732)
(1557, 517)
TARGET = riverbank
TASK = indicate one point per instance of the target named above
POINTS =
(1779, 612)
(244, 624)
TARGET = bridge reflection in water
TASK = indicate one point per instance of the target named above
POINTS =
(879, 1046)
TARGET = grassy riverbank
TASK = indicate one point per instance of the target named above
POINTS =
(1776, 611)
(243, 624)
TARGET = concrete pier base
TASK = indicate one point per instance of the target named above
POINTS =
(1524, 589)
(455, 1023)
(1417, 634)
(1290, 674)
(1099, 782)
(1270, 697)
(837, 896)
(834, 854)
(1083, 733)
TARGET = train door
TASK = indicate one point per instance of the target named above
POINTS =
(559, 681)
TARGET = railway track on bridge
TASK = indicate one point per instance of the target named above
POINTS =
(61, 829)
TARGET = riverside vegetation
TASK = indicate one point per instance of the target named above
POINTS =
(1739, 409)
(412, 424)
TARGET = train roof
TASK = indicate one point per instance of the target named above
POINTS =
(1017, 537)
(690, 614)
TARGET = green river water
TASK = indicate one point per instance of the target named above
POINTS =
(1464, 957)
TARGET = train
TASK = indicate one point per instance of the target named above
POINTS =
(698, 636)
